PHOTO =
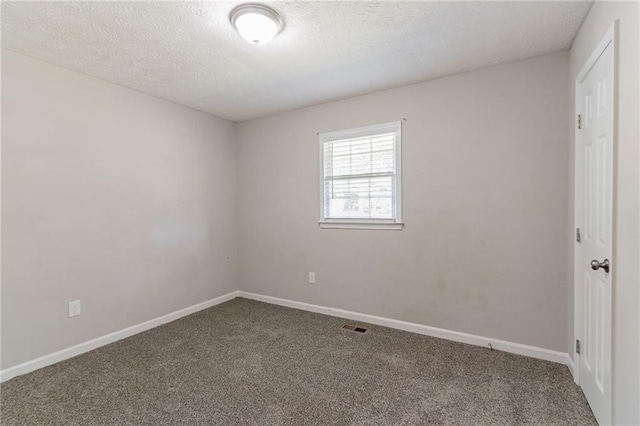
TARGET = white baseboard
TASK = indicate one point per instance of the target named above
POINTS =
(572, 368)
(90, 345)
(501, 345)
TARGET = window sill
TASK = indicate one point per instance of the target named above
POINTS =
(386, 226)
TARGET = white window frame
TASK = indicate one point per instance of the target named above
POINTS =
(386, 224)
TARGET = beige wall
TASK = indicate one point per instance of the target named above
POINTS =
(110, 196)
(486, 191)
(626, 261)
(484, 200)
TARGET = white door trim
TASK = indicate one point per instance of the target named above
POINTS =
(609, 38)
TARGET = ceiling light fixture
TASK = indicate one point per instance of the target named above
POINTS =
(256, 23)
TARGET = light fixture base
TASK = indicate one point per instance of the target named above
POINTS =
(247, 9)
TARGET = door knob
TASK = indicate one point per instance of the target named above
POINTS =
(595, 265)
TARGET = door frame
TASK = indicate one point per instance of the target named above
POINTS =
(609, 38)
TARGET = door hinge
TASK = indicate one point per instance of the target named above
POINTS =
(578, 346)
(579, 121)
(578, 238)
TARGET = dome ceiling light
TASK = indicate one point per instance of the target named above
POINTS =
(256, 23)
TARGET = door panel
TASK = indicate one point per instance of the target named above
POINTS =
(595, 150)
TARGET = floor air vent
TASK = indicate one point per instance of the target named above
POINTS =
(354, 328)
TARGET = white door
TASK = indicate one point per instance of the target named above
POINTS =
(594, 154)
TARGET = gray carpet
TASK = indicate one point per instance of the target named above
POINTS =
(246, 362)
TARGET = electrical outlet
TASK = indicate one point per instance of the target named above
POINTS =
(312, 277)
(74, 308)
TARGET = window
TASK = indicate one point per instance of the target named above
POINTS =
(360, 178)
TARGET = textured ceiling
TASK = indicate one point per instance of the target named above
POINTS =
(188, 52)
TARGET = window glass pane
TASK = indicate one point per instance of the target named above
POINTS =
(371, 154)
(360, 198)
(359, 177)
